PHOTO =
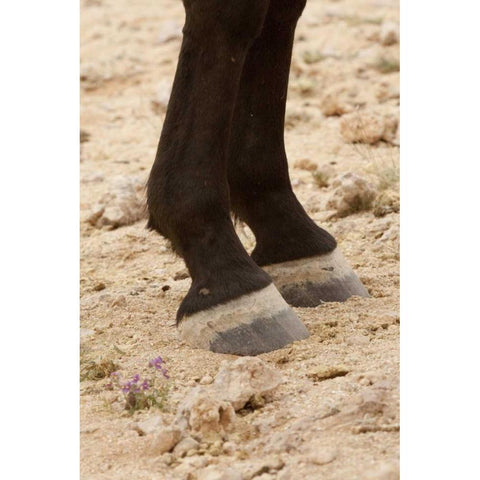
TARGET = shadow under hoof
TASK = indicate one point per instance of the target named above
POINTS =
(308, 282)
(255, 323)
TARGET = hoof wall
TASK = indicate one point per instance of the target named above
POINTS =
(311, 281)
(255, 323)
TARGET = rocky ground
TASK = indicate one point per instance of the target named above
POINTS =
(324, 408)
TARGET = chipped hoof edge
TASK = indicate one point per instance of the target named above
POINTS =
(308, 282)
(249, 325)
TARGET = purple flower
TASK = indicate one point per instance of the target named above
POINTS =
(126, 388)
(156, 362)
(136, 378)
(145, 385)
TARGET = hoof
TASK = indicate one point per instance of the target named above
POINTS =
(249, 325)
(311, 281)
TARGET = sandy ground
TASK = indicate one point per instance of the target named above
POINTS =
(340, 428)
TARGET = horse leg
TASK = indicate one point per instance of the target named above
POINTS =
(301, 257)
(232, 305)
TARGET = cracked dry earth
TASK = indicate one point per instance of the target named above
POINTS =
(343, 146)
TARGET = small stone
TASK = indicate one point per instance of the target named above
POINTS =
(322, 456)
(120, 301)
(159, 103)
(181, 274)
(85, 332)
(320, 373)
(358, 340)
(164, 441)
(333, 106)
(206, 380)
(306, 164)
(84, 136)
(237, 382)
(384, 472)
(205, 414)
(386, 202)
(184, 446)
(268, 465)
(351, 194)
(218, 473)
(216, 449)
(389, 33)
(167, 458)
(362, 127)
(124, 204)
(229, 448)
(170, 30)
(99, 286)
(150, 425)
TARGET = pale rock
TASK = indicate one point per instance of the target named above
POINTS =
(120, 301)
(384, 472)
(123, 205)
(359, 340)
(170, 30)
(363, 127)
(85, 332)
(191, 464)
(351, 194)
(386, 202)
(332, 105)
(163, 441)
(389, 33)
(160, 102)
(214, 472)
(320, 455)
(205, 414)
(237, 382)
(229, 448)
(339, 99)
(149, 425)
(206, 380)
(255, 468)
(306, 164)
(184, 446)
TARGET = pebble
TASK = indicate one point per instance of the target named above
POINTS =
(164, 441)
(358, 340)
(384, 472)
(120, 301)
(205, 413)
(184, 446)
(389, 33)
(150, 425)
(323, 373)
(219, 473)
(322, 456)
(206, 380)
(124, 204)
(238, 381)
(170, 30)
(229, 448)
(351, 194)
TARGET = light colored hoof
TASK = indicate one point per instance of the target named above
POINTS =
(309, 282)
(255, 323)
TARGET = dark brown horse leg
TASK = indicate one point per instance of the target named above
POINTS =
(232, 305)
(300, 256)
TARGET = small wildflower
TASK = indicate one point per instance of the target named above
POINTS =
(142, 394)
